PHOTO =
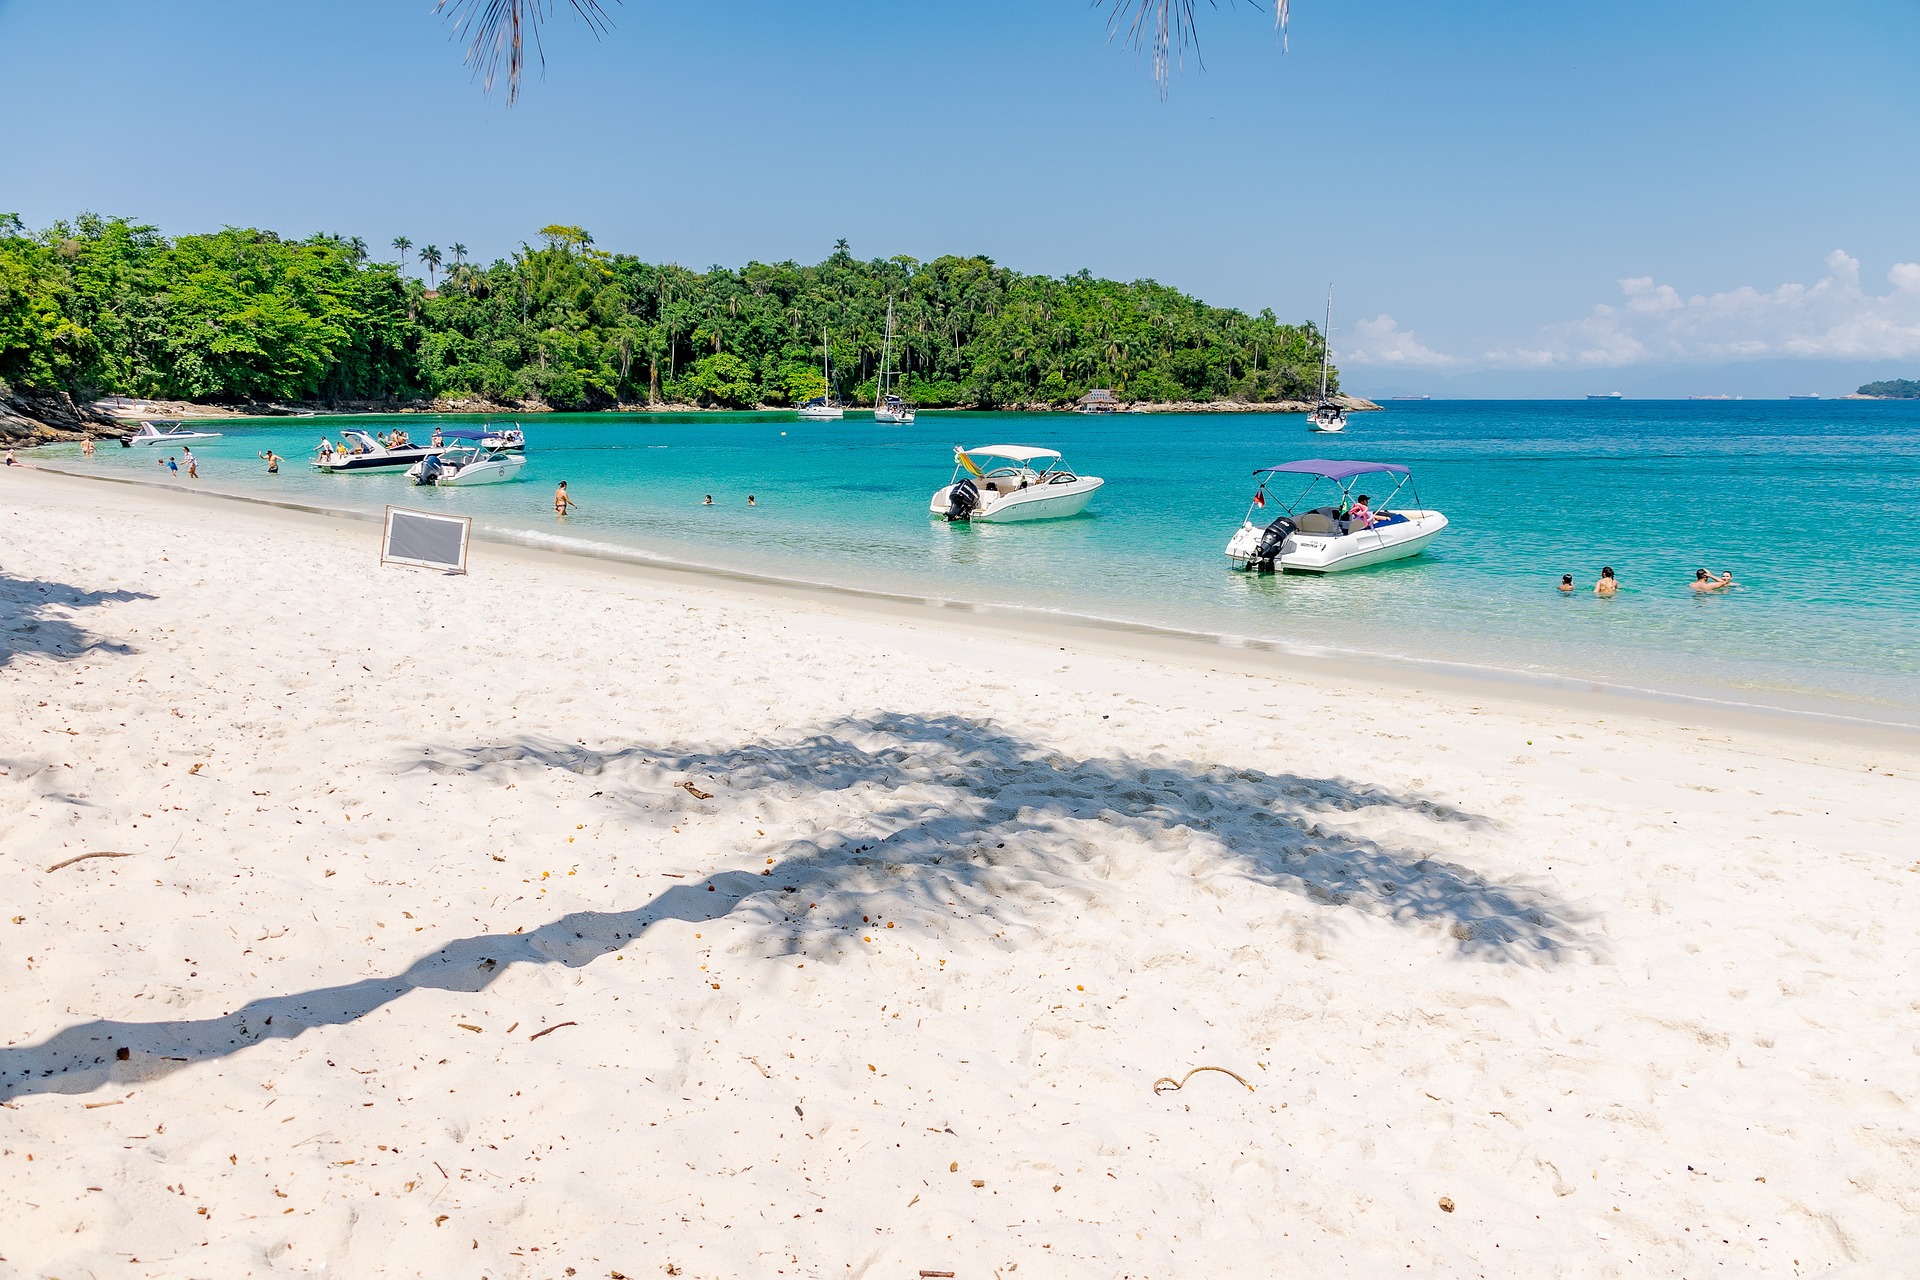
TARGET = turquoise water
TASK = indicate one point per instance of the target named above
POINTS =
(1810, 504)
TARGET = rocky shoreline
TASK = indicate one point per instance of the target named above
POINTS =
(31, 418)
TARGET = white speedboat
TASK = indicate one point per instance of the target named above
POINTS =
(999, 483)
(504, 439)
(466, 464)
(1327, 417)
(164, 433)
(359, 451)
(889, 408)
(1343, 534)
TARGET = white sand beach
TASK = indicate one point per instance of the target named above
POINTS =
(566, 919)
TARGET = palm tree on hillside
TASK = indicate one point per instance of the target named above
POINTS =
(359, 248)
(431, 256)
(497, 32)
(459, 252)
(402, 244)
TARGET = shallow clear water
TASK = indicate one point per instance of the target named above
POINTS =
(1810, 504)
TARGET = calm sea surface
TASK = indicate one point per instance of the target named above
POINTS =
(1811, 505)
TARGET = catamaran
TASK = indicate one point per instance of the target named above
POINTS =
(164, 433)
(1327, 416)
(1017, 490)
(823, 408)
(1342, 534)
(890, 408)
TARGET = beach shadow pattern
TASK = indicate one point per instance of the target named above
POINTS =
(30, 625)
(951, 813)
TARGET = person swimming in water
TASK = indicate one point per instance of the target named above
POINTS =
(1705, 581)
(1566, 584)
(1608, 584)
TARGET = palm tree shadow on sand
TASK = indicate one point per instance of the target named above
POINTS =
(955, 819)
(29, 625)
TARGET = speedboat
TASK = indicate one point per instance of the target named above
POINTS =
(999, 483)
(1329, 538)
(466, 464)
(892, 409)
(503, 439)
(359, 451)
(164, 433)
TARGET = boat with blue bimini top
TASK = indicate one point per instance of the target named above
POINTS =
(1349, 532)
(361, 451)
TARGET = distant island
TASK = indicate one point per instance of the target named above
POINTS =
(245, 318)
(1895, 389)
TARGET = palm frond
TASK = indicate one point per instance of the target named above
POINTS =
(1169, 28)
(497, 33)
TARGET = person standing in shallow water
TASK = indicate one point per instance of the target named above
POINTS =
(1566, 584)
(272, 460)
(86, 447)
(1608, 584)
(561, 502)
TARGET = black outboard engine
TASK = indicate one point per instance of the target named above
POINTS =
(430, 470)
(1268, 552)
(963, 501)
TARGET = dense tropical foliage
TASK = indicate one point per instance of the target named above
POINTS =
(101, 305)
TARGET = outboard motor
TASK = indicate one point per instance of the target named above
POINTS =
(1271, 542)
(430, 469)
(963, 501)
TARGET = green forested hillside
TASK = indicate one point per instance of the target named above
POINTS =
(100, 306)
(1895, 389)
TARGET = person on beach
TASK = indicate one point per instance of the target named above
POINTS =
(1608, 584)
(1566, 584)
(272, 460)
(11, 460)
(86, 447)
(1361, 516)
(1705, 581)
(561, 502)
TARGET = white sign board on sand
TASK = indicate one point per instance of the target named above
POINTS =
(426, 539)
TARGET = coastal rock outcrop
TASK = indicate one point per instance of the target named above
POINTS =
(41, 417)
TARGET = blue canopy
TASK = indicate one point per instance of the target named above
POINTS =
(1334, 470)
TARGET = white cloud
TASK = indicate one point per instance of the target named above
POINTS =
(1381, 341)
(1653, 323)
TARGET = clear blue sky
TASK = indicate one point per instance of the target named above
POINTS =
(1475, 177)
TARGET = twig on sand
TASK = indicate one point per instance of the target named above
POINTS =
(1181, 1083)
(925, 1274)
(550, 1030)
(84, 856)
(696, 792)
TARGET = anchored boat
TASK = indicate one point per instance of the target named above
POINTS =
(1000, 483)
(1346, 533)
(359, 451)
(164, 433)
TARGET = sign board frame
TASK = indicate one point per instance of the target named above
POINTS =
(387, 549)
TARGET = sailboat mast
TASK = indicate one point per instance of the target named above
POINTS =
(1326, 345)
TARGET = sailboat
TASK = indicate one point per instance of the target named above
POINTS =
(823, 408)
(888, 407)
(1327, 416)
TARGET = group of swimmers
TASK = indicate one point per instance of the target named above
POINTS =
(750, 501)
(1703, 581)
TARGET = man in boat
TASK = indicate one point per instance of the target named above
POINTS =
(1360, 516)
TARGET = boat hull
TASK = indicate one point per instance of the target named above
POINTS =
(889, 417)
(1039, 502)
(1337, 553)
(820, 415)
(393, 460)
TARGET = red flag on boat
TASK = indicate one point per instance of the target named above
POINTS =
(1260, 498)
